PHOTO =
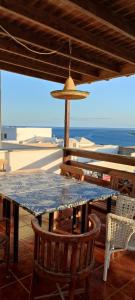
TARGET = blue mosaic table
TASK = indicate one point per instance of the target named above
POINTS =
(42, 192)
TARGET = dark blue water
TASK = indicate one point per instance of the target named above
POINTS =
(122, 137)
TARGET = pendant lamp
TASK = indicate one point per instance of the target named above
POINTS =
(69, 91)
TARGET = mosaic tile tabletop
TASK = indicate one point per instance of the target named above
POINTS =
(42, 192)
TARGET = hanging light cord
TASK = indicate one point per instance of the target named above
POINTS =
(70, 52)
(23, 45)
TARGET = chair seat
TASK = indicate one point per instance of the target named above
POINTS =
(64, 258)
(101, 206)
(131, 244)
(98, 204)
(120, 230)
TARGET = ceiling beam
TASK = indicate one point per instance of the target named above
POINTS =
(65, 30)
(104, 15)
(11, 47)
(126, 70)
(39, 67)
(33, 39)
(21, 70)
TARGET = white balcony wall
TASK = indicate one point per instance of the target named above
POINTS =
(47, 159)
(23, 133)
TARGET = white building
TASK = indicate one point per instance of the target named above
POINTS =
(20, 134)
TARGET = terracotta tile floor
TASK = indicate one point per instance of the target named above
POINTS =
(121, 276)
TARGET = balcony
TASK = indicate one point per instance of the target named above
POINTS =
(121, 276)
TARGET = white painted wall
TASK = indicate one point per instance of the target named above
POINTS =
(46, 159)
(21, 134)
(27, 133)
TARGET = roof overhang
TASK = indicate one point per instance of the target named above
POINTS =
(102, 33)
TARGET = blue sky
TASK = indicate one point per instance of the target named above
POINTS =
(27, 101)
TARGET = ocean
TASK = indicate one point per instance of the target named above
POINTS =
(113, 136)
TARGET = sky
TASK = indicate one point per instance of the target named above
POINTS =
(26, 101)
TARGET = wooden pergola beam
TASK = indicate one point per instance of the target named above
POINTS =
(27, 63)
(18, 64)
(25, 71)
(104, 15)
(66, 30)
(32, 39)
(61, 62)
(126, 69)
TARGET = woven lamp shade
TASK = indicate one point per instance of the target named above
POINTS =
(69, 91)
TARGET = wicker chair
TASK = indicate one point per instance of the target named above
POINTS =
(64, 259)
(5, 240)
(120, 233)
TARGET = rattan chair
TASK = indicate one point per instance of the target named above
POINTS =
(120, 231)
(64, 259)
(5, 241)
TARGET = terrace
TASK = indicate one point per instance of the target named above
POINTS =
(121, 276)
(103, 42)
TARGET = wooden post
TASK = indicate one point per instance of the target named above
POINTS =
(0, 109)
(67, 123)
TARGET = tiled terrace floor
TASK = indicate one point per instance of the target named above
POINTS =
(121, 276)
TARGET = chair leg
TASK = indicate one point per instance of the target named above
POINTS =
(72, 290)
(107, 261)
(4, 208)
(60, 291)
(6, 254)
(74, 219)
(7, 258)
(87, 288)
(33, 279)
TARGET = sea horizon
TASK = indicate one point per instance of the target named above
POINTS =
(98, 135)
(71, 127)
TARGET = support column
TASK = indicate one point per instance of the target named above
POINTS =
(67, 123)
(0, 109)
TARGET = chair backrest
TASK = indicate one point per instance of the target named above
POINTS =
(125, 186)
(71, 171)
(125, 206)
(65, 254)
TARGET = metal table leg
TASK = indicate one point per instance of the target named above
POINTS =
(84, 221)
(7, 214)
(109, 203)
(16, 231)
(51, 220)
(39, 218)
(74, 218)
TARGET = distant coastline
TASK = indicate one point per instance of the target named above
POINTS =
(133, 133)
(114, 136)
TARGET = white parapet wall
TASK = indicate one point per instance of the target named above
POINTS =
(47, 159)
(23, 133)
